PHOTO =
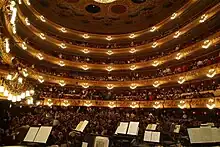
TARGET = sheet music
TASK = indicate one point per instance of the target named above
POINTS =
(151, 127)
(84, 144)
(133, 128)
(101, 141)
(122, 128)
(82, 125)
(43, 134)
(155, 137)
(204, 135)
(32, 132)
(177, 129)
(147, 136)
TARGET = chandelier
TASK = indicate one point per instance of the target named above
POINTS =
(15, 87)
(104, 1)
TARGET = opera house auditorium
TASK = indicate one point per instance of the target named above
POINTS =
(110, 73)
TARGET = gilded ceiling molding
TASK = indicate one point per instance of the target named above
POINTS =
(213, 40)
(211, 12)
(98, 36)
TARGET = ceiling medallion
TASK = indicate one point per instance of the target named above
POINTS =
(104, 1)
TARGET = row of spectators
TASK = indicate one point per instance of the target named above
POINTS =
(189, 65)
(156, 54)
(102, 121)
(197, 89)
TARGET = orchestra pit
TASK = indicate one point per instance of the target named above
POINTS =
(110, 73)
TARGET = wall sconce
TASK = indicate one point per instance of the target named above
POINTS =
(40, 56)
(42, 18)
(27, 21)
(109, 68)
(177, 34)
(178, 56)
(24, 45)
(85, 50)
(7, 45)
(62, 83)
(109, 38)
(182, 104)
(173, 16)
(66, 103)
(153, 29)
(181, 80)
(85, 36)
(134, 105)
(133, 86)
(109, 52)
(203, 18)
(156, 84)
(132, 36)
(111, 105)
(157, 105)
(85, 85)
(85, 67)
(61, 63)
(42, 36)
(62, 45)
(87, 103)
(63, 30)
(211, 104)
(154, 45)
(155, 63)
(132, 50)
(49, 102)
(133, 67)
(206, 44)
(40, 79)
(110, 86)
(211, 73)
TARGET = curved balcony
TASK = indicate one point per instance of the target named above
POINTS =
(80, 49)
(210, 41)
(209, 71)
(115, 37)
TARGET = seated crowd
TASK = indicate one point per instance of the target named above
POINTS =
(166, 51)
(201, 89)
(185, 66)
(102, 121)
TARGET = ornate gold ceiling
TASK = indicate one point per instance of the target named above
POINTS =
(121, 16)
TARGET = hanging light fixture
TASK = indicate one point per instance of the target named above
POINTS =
(109, 38)
(156, 84)
(211, 73)
(132, 36)
(40, 79)
(84, 67)
(85, 50)
(85, 85)
(110, 86)
(133, 67)
(153, 29)
(85, 36)
(109, 52)
(154, 45)
(206, 44)
(181, 80)
(132, 50)
(133, 86)
(62, 83)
